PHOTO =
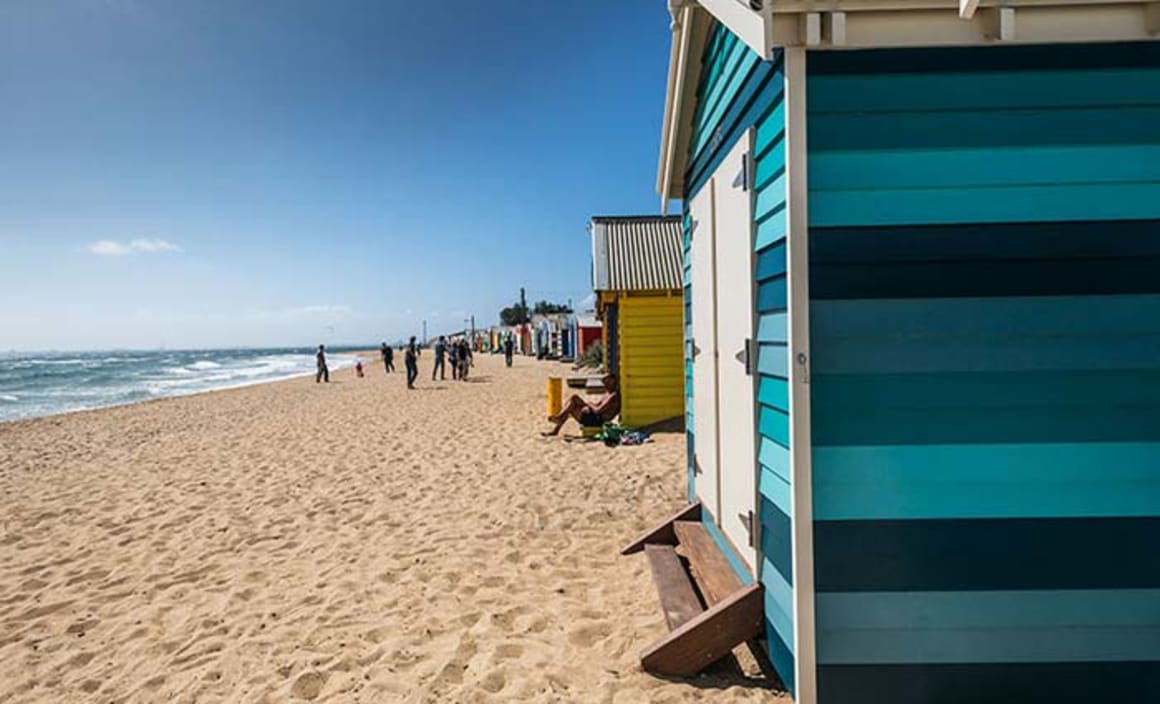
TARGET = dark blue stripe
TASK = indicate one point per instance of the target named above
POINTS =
(1005, 683)
(971, 60)
(771, 262)
(777, 539)
(969, 554)
(1016, 259)
(771, 296)
(781, 657)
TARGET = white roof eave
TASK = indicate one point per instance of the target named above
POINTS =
(869, 24)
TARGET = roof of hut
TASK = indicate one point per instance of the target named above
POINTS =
(636, 253)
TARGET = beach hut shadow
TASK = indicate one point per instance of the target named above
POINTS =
(728, 672)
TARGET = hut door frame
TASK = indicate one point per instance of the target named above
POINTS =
(706, 481)
(736, 365)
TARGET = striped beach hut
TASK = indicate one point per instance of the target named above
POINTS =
(922, 246)
(636, 272)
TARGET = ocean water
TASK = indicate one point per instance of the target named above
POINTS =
(44, 383)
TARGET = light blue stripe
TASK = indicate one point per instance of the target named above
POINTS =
(867, 208)
(986, 481)
(778, 602)
(981, 627)
(770, 230)
(769, 130)
(773, 359)
(775, 458)
(772, 327)
(1006, 167)
(776, 489)
(770, 197)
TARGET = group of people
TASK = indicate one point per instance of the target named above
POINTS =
(458, 352)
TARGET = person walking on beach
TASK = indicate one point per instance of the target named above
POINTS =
(507, 350)
(464, 359)
(440, 367)
(411, 360)
(388, 357)
(358, 368)
(323, 373)
(453, 354)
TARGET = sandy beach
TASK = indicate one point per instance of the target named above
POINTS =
(350, 542)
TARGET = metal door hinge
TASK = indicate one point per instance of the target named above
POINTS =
(693, 349)
(748, 356)
(744, 178)
(747, 521)
(697, 466)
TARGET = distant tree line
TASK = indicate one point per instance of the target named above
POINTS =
(519, 313)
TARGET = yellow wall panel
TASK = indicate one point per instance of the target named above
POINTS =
(651, 358)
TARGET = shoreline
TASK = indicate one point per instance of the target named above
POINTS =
(185, 394)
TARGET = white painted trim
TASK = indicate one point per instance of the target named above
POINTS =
(1007, 24)
(748, 25)
(797, 245)
(933, 23)
(673, 95)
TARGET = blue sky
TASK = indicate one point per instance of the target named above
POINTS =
(220, 173)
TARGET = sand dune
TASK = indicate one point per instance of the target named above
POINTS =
(343, 543)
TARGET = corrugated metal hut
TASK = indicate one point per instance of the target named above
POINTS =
(636, 266)
(923, 338)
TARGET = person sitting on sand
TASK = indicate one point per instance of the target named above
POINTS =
(589, 415)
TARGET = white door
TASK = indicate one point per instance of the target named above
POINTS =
(704, 349)
(737, 464)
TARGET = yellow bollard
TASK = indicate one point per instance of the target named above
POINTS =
(555, 395)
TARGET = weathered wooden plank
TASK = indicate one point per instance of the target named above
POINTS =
(710, 568)
(663, 532)
(679, 599)
(708, 637)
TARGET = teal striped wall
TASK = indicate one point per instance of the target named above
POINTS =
(737, 92)
(985, 327)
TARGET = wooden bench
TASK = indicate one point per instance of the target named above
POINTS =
(708, 609)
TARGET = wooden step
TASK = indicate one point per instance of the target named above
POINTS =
(708, 637)
(679, 600)
(711, 570)
(663, 532)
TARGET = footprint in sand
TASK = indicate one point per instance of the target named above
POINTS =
(589, 634)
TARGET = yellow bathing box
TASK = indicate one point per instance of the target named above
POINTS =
(636, 271)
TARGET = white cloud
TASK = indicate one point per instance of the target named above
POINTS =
(142, 245)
